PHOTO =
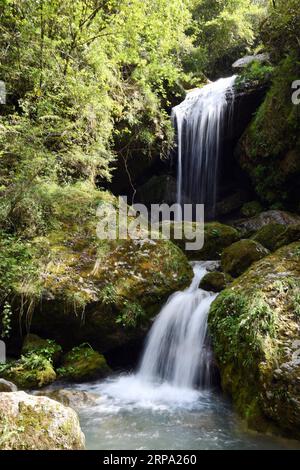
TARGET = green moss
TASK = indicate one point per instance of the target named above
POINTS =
(82, 363)
(270, 148)
(240, 255)
(254, 325)
(31, 371)
(268, 235)
(42, 347)
(217, 236)
(215, 281)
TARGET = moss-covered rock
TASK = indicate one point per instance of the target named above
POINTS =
(37, 423)
(240, 255)
(6, 386)
(217, 236)
(255, 329)
(215, 281)
(291, 234)
(82, 363)
(268, 235)
(42, 347)
(31, 371)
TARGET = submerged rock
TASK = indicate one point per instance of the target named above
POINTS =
(83, 364)
(255, 329)
(75, 399)
(37, 423)
(240, 255)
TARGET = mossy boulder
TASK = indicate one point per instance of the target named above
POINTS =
(255, 330)
(42, 347)
(82, 363)
(31, 371)
(240, 255)
(217, 236)
(215, 281)
(291, 234)
(268, 235)
(37, 423)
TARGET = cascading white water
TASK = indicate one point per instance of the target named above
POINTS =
(201, 121)
(176, 352)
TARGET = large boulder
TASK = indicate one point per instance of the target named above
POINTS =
(37, 423)
(255, 329)
(240, 255)
(268, 235)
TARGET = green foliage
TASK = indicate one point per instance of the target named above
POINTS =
(224, 30)
(254, 74)
(6, 320)
(131, 314)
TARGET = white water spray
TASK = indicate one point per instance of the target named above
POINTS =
(201, 121)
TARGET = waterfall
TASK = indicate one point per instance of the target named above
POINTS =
(176, 351)
(202, 121)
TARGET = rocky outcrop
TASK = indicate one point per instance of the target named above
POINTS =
(240, 255)
(255, 329)
(37, 423)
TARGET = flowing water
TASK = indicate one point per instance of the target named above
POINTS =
(169, 403)
(201, 121)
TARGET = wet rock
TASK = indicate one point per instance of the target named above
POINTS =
(247, 60)
(75, 399)
(37, 423)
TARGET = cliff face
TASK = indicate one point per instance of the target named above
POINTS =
(269, 150)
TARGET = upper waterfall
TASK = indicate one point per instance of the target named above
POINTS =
(201, 122)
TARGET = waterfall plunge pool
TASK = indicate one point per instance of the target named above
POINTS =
(132, 415)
